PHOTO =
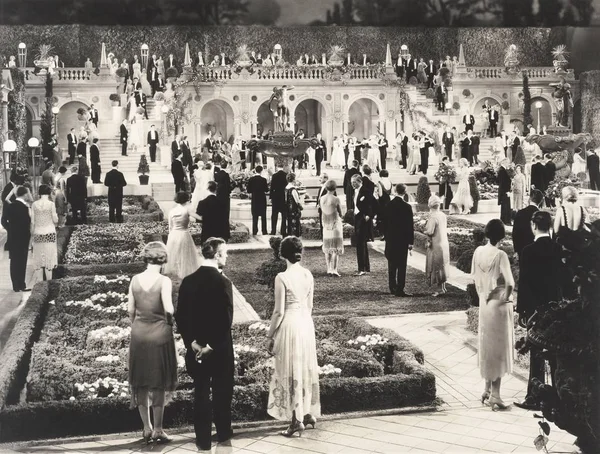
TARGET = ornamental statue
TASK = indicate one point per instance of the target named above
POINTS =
(278, 103)
(563, 100)
(511, 60)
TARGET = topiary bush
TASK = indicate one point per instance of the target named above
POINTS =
(423, 193)
(172, 72)
(143, 167)
(466, 92)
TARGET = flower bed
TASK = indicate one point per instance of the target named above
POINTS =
(123, 243)
(135, 209)
(78, 367)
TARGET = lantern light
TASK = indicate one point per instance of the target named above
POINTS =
(10, 146)
(33, 142)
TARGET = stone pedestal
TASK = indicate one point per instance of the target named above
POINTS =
(559, 131)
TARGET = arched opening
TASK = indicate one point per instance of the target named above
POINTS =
(67, 118)
(217, 116)
(541, 110)
(363, 118)
(310, 117)
(265, 119)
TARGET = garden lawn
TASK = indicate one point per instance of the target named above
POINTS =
(349, 295)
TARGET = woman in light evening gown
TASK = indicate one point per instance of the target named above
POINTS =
(294, 387)
(496, 320)
(43, 232)
(438, 248)
(333, 234)
(462, 202)
(518, 186)
(180, 245)
(202, 176)
(152, 355)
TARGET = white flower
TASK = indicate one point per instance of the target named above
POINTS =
(72, 398)
(123, 395)
(362, 347)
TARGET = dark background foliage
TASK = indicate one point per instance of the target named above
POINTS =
(482, 46)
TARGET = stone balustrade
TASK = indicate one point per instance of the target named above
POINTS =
(496, 72)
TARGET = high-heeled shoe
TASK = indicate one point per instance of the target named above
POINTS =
(497, 404)
(160, 437)
(293, 428)
(485, 396)
(147, 436)
(309, 420)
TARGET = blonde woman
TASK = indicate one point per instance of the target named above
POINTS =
(43, 232)
(333, 235)
(462, 202)
(438, 248)
(518, 186)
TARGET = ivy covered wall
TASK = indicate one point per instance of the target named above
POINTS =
(483, 46)
(590, 103)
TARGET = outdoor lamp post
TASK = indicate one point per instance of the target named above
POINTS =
(9, 154)
(55, 111)
(33, 144)
(448, 107)
(22, 55)
(144, 50)
(538, 106)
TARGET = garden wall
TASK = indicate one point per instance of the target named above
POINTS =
(482, 46)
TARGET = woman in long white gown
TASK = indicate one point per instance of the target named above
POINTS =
(131, 107)
(579, 164)
(414, 155)
(337, 156)
(496, 319)
(293, 344)
(374, 156)
(181, 249)
(135, 133)
(202, 177)
(462, 202)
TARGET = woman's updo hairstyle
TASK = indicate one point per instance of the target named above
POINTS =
(155, 253)
(495, 231)
(291, 249)
(182, 197)
(569, 194)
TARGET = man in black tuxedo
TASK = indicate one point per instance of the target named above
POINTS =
(277, 195)
(152, 143)
(383, 146)
(493, 117)
(440, 97)
(467, 147)
(72, 145)
(204, 316)
(504, 193)
(403, 149)
(550, 173)
(320, 153)
(82, 149)
(18, 222)
(448, 141)
(175, 147)
(178, 174)
(431, 70)
(186, 153)
(348, 188)
(15, 181)
(137, 85)
(538, 174)
(258, 187)
(399, 238)
(77, 195)
(522, 233)
(322, 191)
(540, 276)
(223, 181)
(211, 210)
(424, 150)
(469, 122)
(364, 210)
(140, 101)
(115, 181)
(475, 148)
(593, 165)
(124, 136)
(153, 79)
(171, 62)
(366, 180)
(95, 161)
(94, 115)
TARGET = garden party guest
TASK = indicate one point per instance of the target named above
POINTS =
(258, 187)
(518, 185)
(414, 158)
(180, 245)
(399, 239)
(504, 192)
(540, 276)
(521, 232)
(384, 189)
(48, 175)
(124, 133)
(43, 228)
(437, 263)
(550, 173)
(277, 194)
(115, 181)
(593, 166)
(462, 201)
(332, 228)
(204, 318)
(223, 194)
(77, 195)
(293, 345)
(18, 225)
(178, 173)
(469, 121)
(60, 201)
(445, 188)
(152, 355)
(448, 141)
(152, 142)
(348, 189)
(364, 211)
(94, 115)
(293, 207)
(95, 161)
(211, 211)
(72, 145)
(496, 320)
(538, 174)
(82, 146)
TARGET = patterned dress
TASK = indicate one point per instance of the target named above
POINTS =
(294, 212)
(333, 234)
(183, 257)
(295, 382)
(44, 220)
(438, 255)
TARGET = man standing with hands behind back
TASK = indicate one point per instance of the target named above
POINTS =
(204, 317)
(124, 137)
(399, 238)
(115, 181)
(152, 142)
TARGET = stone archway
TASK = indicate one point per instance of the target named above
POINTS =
(543, 115)
(310, 116)
(217, 116)
(363, 117)
(67, 118)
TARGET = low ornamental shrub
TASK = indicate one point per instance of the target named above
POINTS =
(121, 72)
(172, 72)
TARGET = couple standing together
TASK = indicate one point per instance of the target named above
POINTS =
(204, 318)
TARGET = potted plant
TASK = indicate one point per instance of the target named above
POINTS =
(336, 58)
(505, 107)
(560, 58)
(43, 57)
(114, 99)
(159, 97)
(456, 106)
(423, 194)
(474, 193)
(143, 170)
(466, 93)
(243, 59)
(172, 74)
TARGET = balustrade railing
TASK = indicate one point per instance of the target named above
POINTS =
(495, 72)
(61, 74)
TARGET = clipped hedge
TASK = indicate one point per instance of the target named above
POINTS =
(482, 46)
(135, 209)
